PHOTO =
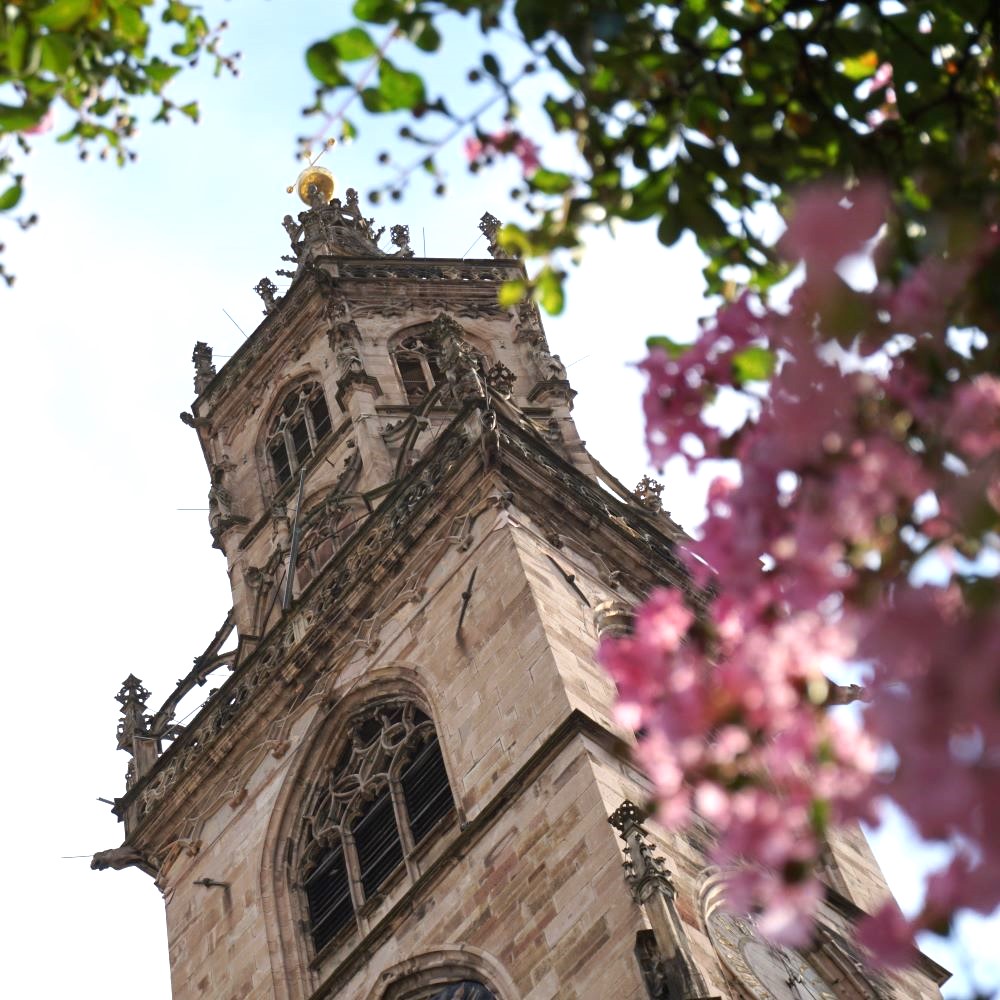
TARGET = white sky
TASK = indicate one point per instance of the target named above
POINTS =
(126, 270)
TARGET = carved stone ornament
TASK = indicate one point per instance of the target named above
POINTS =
(613, 619)
(645, 871)
(647, 492)
(134, 721)
(489, 226)
(501, 380)
(400, 237)
(266, 288)
(118, 858)
(204, 370)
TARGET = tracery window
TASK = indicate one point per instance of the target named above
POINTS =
(302, 422)
(386, 794)
(465, 990)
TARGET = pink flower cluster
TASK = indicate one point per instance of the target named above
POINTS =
(482, 146)
(775, 762)
(855, 479)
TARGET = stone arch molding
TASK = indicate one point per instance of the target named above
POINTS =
(414, 977)
(326, 734)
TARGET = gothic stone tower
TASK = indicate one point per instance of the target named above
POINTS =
(410, 784)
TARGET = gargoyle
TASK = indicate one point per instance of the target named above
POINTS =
(122, 857)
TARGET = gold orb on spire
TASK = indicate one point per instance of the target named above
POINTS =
(318, 178)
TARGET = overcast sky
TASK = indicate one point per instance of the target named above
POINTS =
(106, 575)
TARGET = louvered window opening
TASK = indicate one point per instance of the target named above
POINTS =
(420, 368)
(426, 791)
(296, 432)
(389, 788)
(328, 894)
(376, 837)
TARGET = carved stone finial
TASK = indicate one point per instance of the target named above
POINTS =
(501, 379)
(204, 370)
(489, 226)
(134, 721)
(400, 236)
(647, 492)
(266, 288)
(221, 513)
(293, 228)
(645, 871)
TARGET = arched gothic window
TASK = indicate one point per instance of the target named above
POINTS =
(382, 799)
(301, 423)
(419, 367)
(419, 359)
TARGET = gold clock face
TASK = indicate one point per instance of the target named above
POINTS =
(767, 971)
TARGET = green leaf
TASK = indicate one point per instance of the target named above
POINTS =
(353, 44)
(428, 38)
(177, 12)
(400, 89)
(17, 45)
(753, 364)
(128, 23)
(62, 14)
(671, 226)
(491, 65)
(10, 197)
(550, 181)
(324, 64)
(160, 73)
(376, 11)
(17, 119)
(549, 291)
(191, 110)
(860, 67)
(58, 51)
(512, 292)
(672, 347)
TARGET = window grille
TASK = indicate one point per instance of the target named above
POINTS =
(386, 793)
(302, 422)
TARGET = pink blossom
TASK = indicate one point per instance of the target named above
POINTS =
(974, 422)
(527, 152)
(881, 78)
(664, 619)
(474, 149)
(888, 935)
(829, 223)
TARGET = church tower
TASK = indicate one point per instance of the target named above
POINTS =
(406, 782)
